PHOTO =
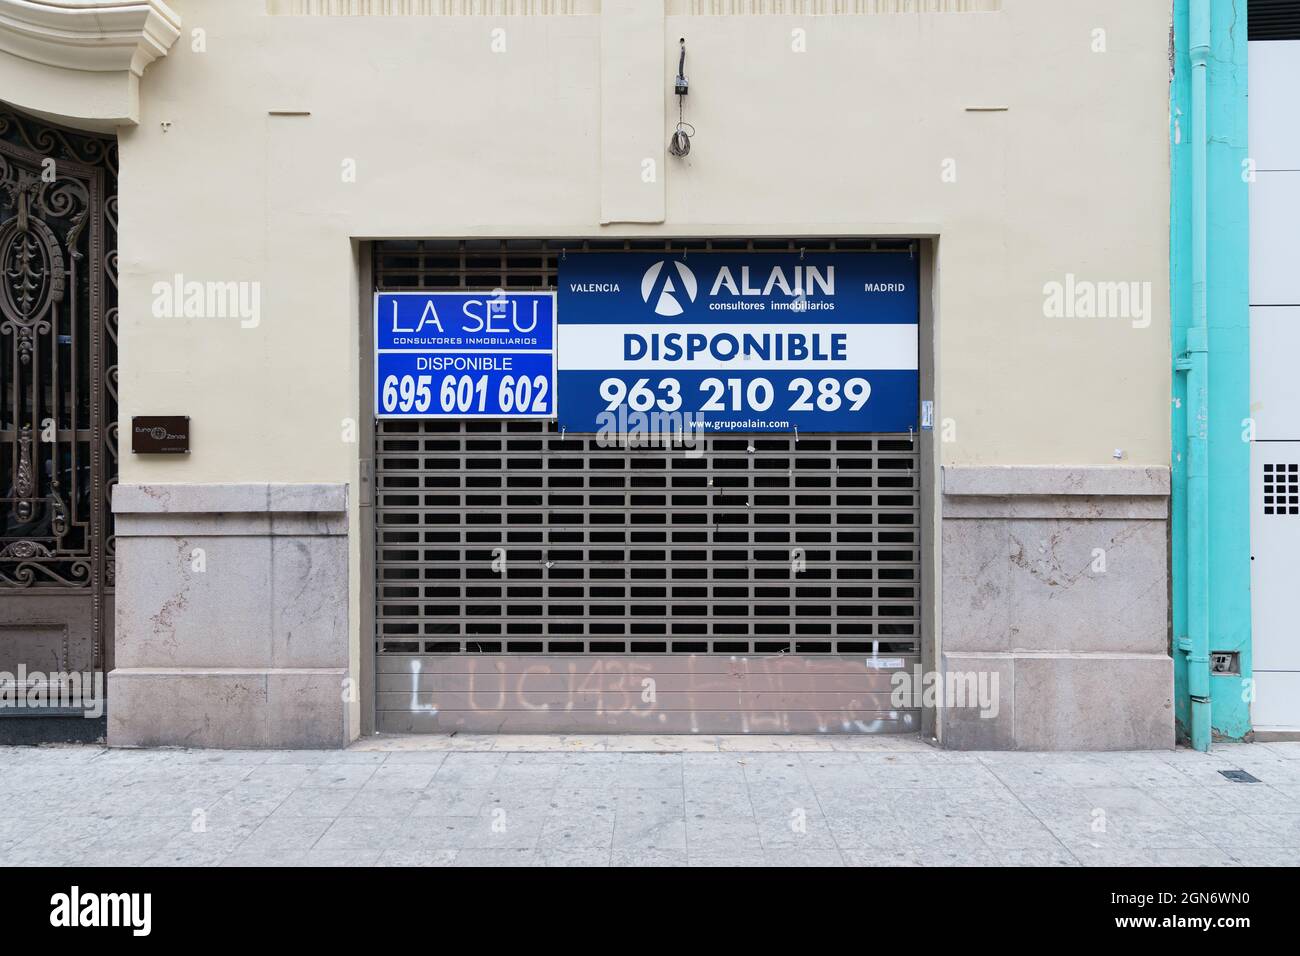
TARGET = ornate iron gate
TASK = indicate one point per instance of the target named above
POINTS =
(58, 395)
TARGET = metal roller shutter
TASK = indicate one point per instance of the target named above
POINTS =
(528, 580)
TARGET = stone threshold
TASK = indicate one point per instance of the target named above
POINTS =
(646, 743)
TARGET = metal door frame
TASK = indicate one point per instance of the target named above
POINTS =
(927, 453)
(49, 173)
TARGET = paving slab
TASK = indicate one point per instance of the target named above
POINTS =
(662, 800)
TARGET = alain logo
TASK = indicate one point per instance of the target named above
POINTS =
(103, 909)
(657, 285)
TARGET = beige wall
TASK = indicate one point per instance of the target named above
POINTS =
(1060, 152)
(452, 139)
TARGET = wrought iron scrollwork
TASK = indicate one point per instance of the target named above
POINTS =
(58, 360)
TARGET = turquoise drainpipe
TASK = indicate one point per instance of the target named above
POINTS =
(1209, 246)
(1195, 363)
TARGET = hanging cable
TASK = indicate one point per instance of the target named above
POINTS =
(680, 142)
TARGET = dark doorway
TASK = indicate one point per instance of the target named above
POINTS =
(58, 424)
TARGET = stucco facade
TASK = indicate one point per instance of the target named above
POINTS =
(1023, 142)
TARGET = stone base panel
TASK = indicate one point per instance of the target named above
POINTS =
(1056, 580)
(232, 616)
(227, 708)
(1064, 702)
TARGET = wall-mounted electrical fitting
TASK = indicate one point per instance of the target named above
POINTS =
(1225, 662)
(680, 142)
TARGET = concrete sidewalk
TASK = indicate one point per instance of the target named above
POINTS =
(662, 801)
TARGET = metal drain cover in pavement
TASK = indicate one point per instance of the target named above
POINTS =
(1239, 776)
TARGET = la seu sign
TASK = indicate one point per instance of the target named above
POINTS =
(497, 316)
(453, 320)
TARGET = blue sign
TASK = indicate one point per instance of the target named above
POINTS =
(465, 354)
(718, 342)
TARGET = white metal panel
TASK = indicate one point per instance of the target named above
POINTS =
(1276, 706)
(1274, 391)
(1274, 572)
(1275, 396)
(1275, 239)
(1274, 82)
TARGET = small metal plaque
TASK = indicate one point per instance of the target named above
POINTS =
(160, 434)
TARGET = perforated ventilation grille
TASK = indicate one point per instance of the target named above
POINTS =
(1282, 489)
(499, 536)
(412, 264)
(1273, 20)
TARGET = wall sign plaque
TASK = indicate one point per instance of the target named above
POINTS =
(160, 434)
